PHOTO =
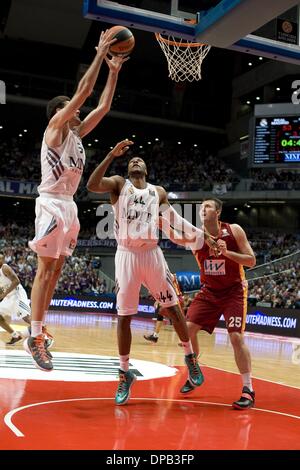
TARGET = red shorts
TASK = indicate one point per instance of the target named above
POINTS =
(208, 306)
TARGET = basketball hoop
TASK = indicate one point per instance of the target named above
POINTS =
(184, 57)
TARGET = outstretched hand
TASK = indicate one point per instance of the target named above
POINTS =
(115, 63)
(121, 148)
(104, 42)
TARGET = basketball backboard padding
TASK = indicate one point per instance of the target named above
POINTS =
(229, 21)
(113, 12)
(240, 18)
(268, 48)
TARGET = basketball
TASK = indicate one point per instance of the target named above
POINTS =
(125, 41)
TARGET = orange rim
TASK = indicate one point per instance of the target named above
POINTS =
(178, 44)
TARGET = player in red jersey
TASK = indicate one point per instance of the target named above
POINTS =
(223, 290)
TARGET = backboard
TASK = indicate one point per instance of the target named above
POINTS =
(267, 28)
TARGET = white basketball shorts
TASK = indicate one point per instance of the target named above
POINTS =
(134, 268)
(56, 226)
(16, 304)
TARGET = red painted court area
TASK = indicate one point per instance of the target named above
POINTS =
(67, 415)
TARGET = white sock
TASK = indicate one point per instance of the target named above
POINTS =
(15, 334)
(124, 363)
(247, 381)
(187, 346)
(36, 328)
(156, 335)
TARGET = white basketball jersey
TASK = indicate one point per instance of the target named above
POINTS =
(136, 216)
(62, 166)
(4, 281)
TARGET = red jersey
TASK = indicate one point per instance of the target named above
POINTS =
(219, 272)
(177, 289)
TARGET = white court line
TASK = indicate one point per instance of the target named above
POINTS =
(18, 433)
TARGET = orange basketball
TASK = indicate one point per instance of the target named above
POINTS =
(125, 41)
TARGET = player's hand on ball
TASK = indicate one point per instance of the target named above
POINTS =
(121, 148)
(115, 63)
(104, 42)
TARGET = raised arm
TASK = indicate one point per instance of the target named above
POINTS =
(97, 183)
(95, 116)
(85, 86)
(175, 236)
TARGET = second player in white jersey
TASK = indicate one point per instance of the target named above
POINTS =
(136, 216)
(139, 260)
(13, 300)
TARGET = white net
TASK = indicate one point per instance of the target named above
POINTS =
(184, 57)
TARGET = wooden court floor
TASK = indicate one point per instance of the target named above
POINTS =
(76, 400)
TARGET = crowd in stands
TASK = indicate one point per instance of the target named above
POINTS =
(19, 160)
(180, 168)
(279, 286)
(175, 167)
(269, 246)
(278, 179)
(80, 273)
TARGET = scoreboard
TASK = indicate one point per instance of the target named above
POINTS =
(276, 142)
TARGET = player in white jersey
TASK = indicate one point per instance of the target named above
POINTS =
(62, 162)
(139, 259)
(13, 300)
(15, 303)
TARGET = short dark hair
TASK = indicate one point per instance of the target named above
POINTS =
(218, 202)
(136, 156)
(56, 102)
